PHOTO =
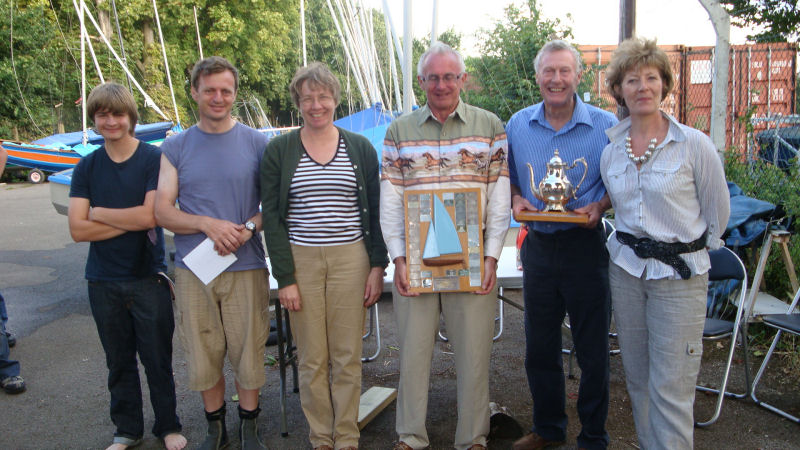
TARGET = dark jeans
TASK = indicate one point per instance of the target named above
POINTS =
(567, 271)
(136, 316)
(8, 367)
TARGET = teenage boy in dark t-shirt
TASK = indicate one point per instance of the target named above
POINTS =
(111, 205)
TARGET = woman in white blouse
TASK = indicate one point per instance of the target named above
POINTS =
(671, 204)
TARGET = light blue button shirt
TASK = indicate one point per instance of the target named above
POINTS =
(532, 140)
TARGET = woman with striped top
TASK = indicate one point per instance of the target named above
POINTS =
(319, 196)
(671, 204)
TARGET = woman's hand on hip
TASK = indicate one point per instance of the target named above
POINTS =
(374, 286)
(289, 297)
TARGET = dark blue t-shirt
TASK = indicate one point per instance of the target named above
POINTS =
(108, 184)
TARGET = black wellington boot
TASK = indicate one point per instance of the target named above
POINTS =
(217, 435)
(248, 430)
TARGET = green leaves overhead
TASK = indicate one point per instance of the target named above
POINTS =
(504, 72)
(778, 20)
(256, 35)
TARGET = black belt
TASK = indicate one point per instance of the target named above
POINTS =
(666, 252)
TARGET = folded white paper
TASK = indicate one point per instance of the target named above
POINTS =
(206, 263)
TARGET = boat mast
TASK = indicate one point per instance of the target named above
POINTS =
(166, 64)
(303, 29)
(148, 101)
(350, 59)
(85, 138)
(197, 30)
(408, 93)
(435, 24)
(121, 44)
(392, 66)
(94, 58)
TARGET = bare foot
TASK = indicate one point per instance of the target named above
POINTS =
(174, 441)
(117, 447)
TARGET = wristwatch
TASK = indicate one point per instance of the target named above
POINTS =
(250, 225)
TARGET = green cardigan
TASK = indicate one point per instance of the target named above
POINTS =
(278, 165)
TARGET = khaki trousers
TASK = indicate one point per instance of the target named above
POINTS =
(229, 315)
(469, 319)
(328, 330)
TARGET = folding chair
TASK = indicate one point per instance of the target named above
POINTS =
(789, 323)
(374, 327)
(726, 267)
(287, 356)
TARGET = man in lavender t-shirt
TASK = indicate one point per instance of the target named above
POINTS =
(211, 169)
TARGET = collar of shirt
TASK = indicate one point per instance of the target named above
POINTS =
(427, 114)
(579, 115)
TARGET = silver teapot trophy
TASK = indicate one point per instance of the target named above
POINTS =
(555, 190)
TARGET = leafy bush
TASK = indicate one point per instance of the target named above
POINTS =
(764, 181)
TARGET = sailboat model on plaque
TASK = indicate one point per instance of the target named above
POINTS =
(444, 240)
(442, 246)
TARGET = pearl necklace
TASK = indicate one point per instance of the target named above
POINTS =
(639, 159)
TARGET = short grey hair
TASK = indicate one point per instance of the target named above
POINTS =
(555, 46)
(438, 48)
(316, 73)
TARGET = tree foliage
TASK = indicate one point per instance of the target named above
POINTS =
(261, 37)
(258, 36)
(503, 76)
(34, 66)
(778, 20)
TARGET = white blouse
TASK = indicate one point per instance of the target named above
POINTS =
(675, 196)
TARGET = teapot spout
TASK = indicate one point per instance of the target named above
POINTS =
(534, 189)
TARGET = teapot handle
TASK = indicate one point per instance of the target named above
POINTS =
(581, 160)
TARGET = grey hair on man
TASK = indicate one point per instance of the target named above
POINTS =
(439, 47)
(558, 45)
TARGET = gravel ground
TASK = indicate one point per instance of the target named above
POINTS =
(66, 405)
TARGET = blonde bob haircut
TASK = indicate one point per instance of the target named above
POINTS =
(633, 54)
(318, 74)
(114, 98)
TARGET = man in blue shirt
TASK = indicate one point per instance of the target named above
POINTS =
(565, 266)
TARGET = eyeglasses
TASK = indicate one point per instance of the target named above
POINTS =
(308, 101)
(448, 78)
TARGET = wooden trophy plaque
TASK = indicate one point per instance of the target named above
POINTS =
(444, 240)
(551, 216)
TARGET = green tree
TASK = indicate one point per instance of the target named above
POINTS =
(778, 20)
(34, 66)
(257, 36)
(503, 76)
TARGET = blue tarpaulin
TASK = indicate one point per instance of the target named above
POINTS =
(746, 222)
(366, 119)
(144, 132)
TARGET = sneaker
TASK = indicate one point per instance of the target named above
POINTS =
(13, 385)
(12, 341)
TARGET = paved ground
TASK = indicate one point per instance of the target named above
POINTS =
(41, 277)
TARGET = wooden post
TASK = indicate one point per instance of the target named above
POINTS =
(627, 19)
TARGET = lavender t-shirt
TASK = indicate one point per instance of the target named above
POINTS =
(218, 176)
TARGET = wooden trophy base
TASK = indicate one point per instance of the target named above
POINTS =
(552, 216)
